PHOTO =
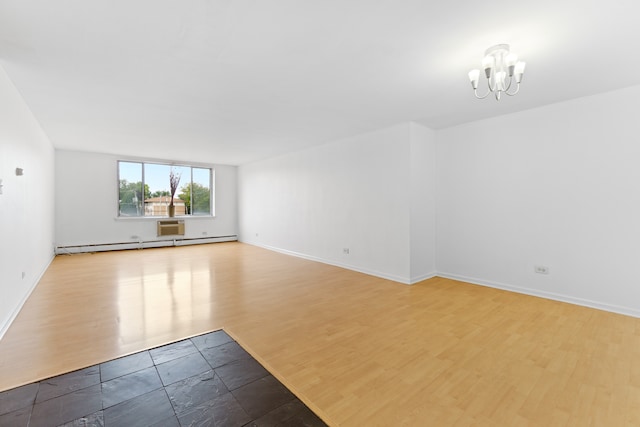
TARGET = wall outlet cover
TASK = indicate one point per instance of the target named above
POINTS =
(541, 269)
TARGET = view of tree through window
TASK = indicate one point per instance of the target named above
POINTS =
(144, 189)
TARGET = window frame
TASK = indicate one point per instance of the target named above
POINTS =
(191, 166)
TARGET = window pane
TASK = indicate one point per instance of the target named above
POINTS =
(130, 192)
(201, 189)
(156, 178)
(145, 190)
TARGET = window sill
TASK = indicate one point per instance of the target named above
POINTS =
(163, 218)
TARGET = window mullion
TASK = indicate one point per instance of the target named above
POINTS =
(143, 206)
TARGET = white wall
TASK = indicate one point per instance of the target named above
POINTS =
(557, 186)
(26, 202)
(87, 203)
(423, 210)
(355, 193)
(484, 202)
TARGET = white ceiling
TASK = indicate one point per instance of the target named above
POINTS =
(223, 81)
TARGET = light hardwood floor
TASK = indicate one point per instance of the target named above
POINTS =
(358, 350)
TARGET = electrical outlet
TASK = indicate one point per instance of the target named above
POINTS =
(345, 251)
(204, 233)
(541, 269)
(24, 274)
(134, 237)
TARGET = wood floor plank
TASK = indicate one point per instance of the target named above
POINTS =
(358, 350)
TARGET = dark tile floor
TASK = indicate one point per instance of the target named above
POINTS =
(208, 380)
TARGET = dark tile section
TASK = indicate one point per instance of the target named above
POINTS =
(125, 365)
(148, 409)
(172, 351)
(169, 422)
(262, 396)
(225, 353)
(304, 418)
(129, 386)
(221, 411)
(207, 380)
(64, 384)
(212, 339)
(240, 372)
(294, 414)
(68, 407)
(191, 392)
(93, 420)
(18, 417)
(184, 367)
(17, 398)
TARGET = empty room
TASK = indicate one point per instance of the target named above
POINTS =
(338, 213)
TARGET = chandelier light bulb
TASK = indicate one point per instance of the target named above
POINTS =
(488, 62)
(503, 72)
(474, 77)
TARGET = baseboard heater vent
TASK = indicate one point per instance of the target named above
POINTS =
(142, 244)
(171, 228)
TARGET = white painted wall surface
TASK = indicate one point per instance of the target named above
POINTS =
(26, 202)
(423, 199)
(353, 193)
(557, 186)
(87, 203)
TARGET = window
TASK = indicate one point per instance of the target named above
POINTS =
(144, 189)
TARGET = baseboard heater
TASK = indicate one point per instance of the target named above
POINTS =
(171, 228)
(142, 244)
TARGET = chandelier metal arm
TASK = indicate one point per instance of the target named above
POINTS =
(475, 91)
(516, 91)
(506, 90)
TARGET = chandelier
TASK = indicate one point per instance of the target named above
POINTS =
(503, 71)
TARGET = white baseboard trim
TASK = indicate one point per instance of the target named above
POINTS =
(403, 280)
(628, 311)
(423, 277)
(76, 249)
(23, 300)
